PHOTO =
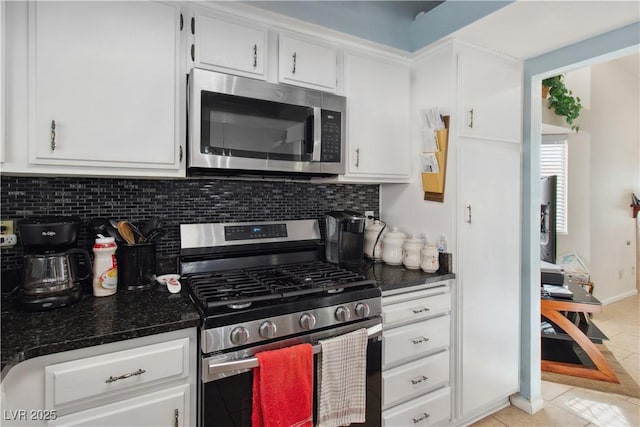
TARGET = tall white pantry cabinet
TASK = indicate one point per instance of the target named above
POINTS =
(482, 93)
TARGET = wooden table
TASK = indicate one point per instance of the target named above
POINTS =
(570, 323)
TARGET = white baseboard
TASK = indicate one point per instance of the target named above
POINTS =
(619, 297)
(526, 405)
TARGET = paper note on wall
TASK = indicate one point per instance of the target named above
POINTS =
(429, 163)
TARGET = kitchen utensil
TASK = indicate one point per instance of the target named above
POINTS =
(113, 232)
(154, 235)
(126, 231)
(150, 225)
(136, 232)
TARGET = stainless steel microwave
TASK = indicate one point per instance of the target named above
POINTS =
(242, 125)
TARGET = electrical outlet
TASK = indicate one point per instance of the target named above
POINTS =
(8, 240)
(368, 213)
(6, 227)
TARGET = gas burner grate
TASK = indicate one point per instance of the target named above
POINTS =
(269, 284)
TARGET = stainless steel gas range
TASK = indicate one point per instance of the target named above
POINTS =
(263, 286)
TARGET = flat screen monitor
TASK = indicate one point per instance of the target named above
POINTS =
(548, 186)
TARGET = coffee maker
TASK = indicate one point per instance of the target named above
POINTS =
(345, 237)
(54, 270)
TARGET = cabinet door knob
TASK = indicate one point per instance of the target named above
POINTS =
(175, 418)
(295, 57)
(53, 135)
(471, 118)
(468, 207)
(357, 157)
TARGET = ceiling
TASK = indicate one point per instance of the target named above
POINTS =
(528, 28)
(522, 29)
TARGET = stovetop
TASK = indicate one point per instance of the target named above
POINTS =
(232, 291)
(244, 272)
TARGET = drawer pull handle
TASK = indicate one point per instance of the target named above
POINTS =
(420, 310)
(419, 380)
(419, 340)
(121, 377)
(422, 417)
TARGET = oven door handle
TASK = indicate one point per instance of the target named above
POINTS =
(252, 362)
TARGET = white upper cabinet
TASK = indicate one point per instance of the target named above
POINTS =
(228, 45)
(306, 63)
(378, 102)
(105, 85)
(489, 86)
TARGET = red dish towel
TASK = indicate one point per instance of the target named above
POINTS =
(283, 388)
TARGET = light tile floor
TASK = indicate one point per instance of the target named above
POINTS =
(566, 406)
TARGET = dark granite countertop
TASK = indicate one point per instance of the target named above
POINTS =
(92, 321)
(132, 314)
(391, 277)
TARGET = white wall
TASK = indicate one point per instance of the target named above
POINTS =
(403, 205)
(603, 171)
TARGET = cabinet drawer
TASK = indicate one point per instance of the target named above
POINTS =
(415, 378)
(162, 408)
(432, 409)
(417, 309)
(107, 374)
(410, 341)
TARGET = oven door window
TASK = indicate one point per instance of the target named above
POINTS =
(243, 127)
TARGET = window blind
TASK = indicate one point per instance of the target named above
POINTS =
(554, 161)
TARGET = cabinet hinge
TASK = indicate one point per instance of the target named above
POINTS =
(193, 25)
(181, 22)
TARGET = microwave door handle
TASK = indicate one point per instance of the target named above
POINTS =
(317, 134)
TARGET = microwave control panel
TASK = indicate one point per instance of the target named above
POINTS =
(331, 136)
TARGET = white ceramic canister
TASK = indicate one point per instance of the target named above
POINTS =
(371, 233)
(105, 270)
(411, 258)
(392, 247)
(429, 262)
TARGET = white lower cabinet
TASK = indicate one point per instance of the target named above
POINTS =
(416, 355)
(148, 381)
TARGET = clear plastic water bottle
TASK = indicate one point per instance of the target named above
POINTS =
(442, 244)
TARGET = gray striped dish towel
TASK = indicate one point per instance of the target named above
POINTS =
(342, 380)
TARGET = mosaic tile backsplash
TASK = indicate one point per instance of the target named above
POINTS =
(174, 201)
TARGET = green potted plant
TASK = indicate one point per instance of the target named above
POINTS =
(562, 100)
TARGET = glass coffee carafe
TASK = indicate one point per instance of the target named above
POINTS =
(53, 274)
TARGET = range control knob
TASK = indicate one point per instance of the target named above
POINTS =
(239, 335)
(343, 314)
(307, 321)
(362, 309)
(267, 330)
